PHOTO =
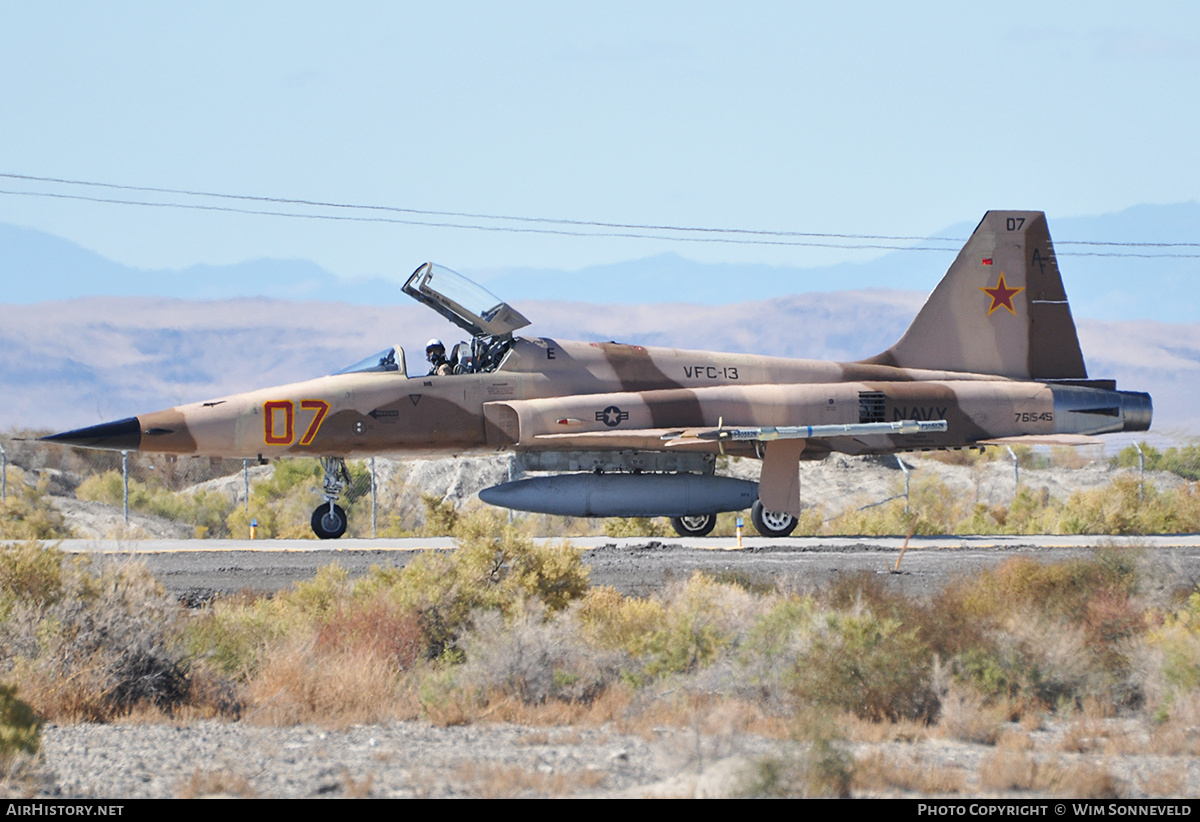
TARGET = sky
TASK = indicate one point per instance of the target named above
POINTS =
(849, 118)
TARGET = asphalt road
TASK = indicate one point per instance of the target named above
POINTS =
(195, 570)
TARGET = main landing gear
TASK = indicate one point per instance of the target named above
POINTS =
(767, 523)
(699, 526)
(770, 523)
(329, 520)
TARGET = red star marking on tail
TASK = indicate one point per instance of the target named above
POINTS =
(1001, 295)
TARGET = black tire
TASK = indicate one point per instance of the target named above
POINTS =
(699, 526)
(770, 524)
(327, 524)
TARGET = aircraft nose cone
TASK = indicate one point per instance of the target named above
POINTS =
(122, 435)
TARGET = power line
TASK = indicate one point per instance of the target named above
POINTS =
(473, 216)
(625, 228)
(513, 229)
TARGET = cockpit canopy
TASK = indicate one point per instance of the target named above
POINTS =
(464, 303)
(389, 359)
(489, 320)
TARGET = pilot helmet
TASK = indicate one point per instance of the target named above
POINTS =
(432, 344)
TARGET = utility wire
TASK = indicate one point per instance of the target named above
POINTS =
(346, 217)
(548, 220)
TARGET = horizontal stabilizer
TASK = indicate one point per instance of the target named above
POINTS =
(1042, 439)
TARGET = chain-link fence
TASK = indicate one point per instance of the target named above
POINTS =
(53, 492)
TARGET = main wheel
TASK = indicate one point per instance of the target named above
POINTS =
(770, 523)
(700, 526)
(329, 522)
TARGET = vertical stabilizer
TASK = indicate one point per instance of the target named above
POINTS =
(1000, 309)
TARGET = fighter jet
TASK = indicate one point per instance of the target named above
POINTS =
(627, 430)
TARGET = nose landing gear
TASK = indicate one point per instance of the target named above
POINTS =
(329, 520)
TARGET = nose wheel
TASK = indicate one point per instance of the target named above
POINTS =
(329, 521)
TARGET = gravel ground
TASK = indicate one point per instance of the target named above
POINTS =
(1083, 758)
(401, 760)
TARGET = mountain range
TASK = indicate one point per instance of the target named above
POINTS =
(38, 267)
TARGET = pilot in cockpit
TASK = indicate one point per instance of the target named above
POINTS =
(435, 352)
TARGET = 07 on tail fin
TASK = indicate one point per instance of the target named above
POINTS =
(1000, 309)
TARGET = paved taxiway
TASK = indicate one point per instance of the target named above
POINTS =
(197, 569)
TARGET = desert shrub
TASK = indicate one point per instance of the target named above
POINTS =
(1023, 587)
(29, 572)
(493, 567)
(634, 527)
(27, 513)
(207, 511)
(506, 566)
(1120, 508)
(1183, 461)
(932, 509)
(90, 644)
(297, 681)
(1176, 639)
(441, 516)
(20, 729)
(873, 667)
(1030, 512)
(964, 713)
(283, 503)
(337, 615)
(232, 637)
(1052, 632)
(963, 456)
(818, 765)
(377, 626)
(766, 653)
(612, 621)
(534, 660)
(702, 617)
(680, 632)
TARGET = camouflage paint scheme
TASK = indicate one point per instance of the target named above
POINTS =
(993, 352)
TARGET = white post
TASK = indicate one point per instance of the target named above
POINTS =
(1016, 470)
(374, 508)
(3, 474)
(246, 481)
(125, 482)
(1141, 470)
(903, 468)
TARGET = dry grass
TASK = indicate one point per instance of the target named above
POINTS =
(856, 729)
(1167, 784)
(492, 781)
(1008, 770)
(215, 784)
(1082, 736)
(17, 780)
(966, 715)
(880, 772)
(296, 685)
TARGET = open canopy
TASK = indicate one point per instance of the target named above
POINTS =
(462, 302)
